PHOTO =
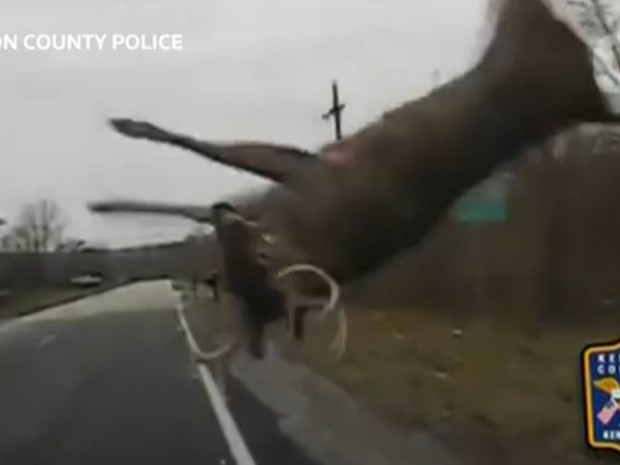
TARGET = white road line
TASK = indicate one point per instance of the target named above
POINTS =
(46, 340)
(231, 432)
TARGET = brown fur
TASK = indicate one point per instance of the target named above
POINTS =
(247, 276)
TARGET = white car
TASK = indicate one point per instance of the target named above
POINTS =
(87, 280)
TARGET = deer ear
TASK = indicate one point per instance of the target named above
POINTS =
(278, 163)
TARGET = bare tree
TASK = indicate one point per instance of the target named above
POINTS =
(601, 24)
(39, 228)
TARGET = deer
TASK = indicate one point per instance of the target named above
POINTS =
(352, 205)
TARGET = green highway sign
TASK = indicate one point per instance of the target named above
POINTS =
(482, 211)
(486, 201)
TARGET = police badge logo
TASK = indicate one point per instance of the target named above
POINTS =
(600, 365)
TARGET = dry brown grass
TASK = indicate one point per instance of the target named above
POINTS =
(503, 390)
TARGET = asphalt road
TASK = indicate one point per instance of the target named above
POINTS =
(109, 381)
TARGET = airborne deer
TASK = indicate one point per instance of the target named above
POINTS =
(352, 205)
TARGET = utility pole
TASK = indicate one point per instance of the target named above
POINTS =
(335, 111)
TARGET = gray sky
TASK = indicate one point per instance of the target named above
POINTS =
(256, 69)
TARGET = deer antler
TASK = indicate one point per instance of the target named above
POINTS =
(340, 340)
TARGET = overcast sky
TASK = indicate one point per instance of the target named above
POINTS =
(257, 69)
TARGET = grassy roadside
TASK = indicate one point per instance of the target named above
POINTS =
(503, 391)
(40, 299)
